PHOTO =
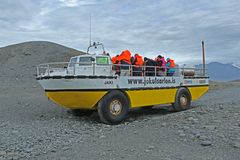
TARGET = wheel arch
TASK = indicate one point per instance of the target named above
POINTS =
(129, 100)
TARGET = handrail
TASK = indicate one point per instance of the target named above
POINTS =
(95, 46)
(48, 69)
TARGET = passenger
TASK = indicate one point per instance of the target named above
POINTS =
(150, 66)
(115, 65)
(162, 63)
(138, 63)
(125, 59)
(115, 59)
(132, 60)
(170, 67)
(104, 52)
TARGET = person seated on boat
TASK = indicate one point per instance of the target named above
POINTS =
(125, 59)
(115, 59)
(116, 65)
(170, 67)
(137, 65)
(132, 60)
(162, 63)
(150, 66)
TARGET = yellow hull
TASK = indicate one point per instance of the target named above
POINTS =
(197, 92)
(76, 99)
(161, 96)
(138, 98)
(151, 97)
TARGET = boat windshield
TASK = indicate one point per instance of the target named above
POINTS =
(73, 61)
(102, 60)
(85, 61)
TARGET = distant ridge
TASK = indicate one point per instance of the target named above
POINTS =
(222, 72)
(238, 80)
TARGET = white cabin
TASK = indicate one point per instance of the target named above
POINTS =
(90, 65)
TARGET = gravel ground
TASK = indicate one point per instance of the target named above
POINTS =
(33, 127)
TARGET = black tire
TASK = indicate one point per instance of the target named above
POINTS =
(182, 100)
(113, 108)
(81, 112)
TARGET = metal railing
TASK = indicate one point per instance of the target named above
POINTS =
(68, 68)
(159, 71)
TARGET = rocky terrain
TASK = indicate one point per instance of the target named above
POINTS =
(32, 127)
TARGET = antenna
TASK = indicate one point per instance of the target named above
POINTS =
(90, 30)
(204, 63)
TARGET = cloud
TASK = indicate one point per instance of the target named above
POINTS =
(69, 3)
(150, 27)
(75, 3)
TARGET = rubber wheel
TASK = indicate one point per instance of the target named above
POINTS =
(81, 112)
(113, 108)
(182, 100)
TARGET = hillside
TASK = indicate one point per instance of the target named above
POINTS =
(18, 62)
(222, 72)
(36, 52)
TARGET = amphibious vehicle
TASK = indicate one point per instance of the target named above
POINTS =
(89, 82)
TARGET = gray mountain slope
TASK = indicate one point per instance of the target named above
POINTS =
(18, 62)
(222, 72)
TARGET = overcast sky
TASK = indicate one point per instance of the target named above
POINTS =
(171, 28)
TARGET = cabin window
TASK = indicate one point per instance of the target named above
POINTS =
(85, 61)
(73, 61)
(102, 60)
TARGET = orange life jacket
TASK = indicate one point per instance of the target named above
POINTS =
(172, 63)
(138, 60)
(114, 60)
(125, 56)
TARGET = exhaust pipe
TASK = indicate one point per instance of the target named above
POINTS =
(203, 55)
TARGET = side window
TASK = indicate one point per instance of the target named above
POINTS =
(102, 60)
(73, 61)
(85, 61)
